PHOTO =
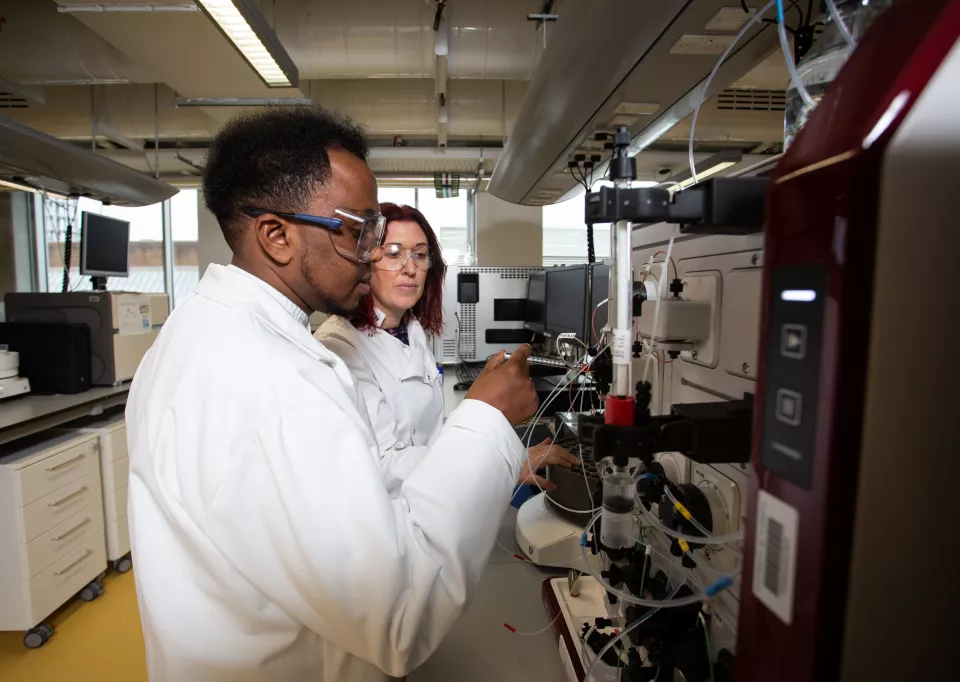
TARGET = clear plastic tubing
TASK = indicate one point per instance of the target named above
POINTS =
(693, 522)
(724, 582)
(841, 26)
(651, 520)
(706, 85)
(656, 310)
(617, 528)
(788, 58)
(633, 626)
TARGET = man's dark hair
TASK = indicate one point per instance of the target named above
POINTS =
(274, 158)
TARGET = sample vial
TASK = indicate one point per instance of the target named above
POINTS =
(617, 529)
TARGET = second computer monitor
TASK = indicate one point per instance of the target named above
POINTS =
(566, 300)
(536, 303)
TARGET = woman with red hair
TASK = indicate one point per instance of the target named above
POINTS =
(384, 343)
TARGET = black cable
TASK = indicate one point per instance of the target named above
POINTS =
(806, 22)
(583, 178)
(591, 258)
(794, 4)
(67, 248)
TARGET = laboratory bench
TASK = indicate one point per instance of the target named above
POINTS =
(27, 415)
(480, 648)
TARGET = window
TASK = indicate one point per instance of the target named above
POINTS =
(183, 226)
(565, 234)
(146, 244)
(449, 217)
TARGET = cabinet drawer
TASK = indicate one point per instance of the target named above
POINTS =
(118, 538)
(67, 576)
(114, 446)
(115, 503)
(60, 505)
(54, 472)
(62, 539)
(116, 474)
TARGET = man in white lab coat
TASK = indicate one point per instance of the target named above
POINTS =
(266, 545)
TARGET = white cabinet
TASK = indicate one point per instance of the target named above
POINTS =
(115, 475)
(52, 539)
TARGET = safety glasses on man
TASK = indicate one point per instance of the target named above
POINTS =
(367, 226)
(395, 257)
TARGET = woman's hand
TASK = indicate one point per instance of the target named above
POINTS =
(540, 456)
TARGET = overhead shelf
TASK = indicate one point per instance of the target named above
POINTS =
(612, 63)
(38, 160)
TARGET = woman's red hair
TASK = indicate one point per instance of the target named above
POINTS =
(429, 309)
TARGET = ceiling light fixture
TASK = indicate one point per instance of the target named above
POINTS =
(243, 24)
(710, 166)
(18, 187)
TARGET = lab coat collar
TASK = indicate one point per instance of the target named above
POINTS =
(237, 289)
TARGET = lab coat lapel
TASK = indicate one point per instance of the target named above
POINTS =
(418, 365)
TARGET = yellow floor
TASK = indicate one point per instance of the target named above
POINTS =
(100, 641)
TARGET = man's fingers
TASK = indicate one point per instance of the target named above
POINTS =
(519, 357)
(546, 441)
(544, 483)
(494, 362)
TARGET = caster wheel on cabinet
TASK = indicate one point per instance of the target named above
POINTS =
(93, 590)
(38, 636)
(123, 564)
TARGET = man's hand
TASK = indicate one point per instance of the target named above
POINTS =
(540, 456)
(506, 385)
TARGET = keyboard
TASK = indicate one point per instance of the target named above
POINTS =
(467, 373)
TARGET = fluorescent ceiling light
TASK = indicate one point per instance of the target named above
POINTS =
(243, 24)
(18, 187)
(10, 186)
(711, 166)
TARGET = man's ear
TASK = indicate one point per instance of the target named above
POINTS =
(277, 238)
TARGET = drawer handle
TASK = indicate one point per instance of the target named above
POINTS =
(71, 531)
(74, 564)
(69, 462)
(69, 497)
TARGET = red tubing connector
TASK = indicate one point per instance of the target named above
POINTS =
(620, 411)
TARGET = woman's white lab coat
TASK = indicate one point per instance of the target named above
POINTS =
(267, 547)
(401, 387)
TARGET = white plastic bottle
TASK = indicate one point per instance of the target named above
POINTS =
(830, 51)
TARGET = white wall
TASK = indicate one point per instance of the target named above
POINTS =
(508, 234)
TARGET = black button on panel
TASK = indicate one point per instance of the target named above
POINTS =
(793, 371)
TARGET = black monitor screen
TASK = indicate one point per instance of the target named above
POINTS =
(599, 290)
(566, 300)
(536, 300)
(105, 246)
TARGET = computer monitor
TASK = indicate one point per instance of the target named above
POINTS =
(599, 290)
(104, 248)
(536, 302)
(566, 301)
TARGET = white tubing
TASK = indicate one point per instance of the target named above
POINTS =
(693, 522)
(706, 86)
(627, 597)
(838, 20)
(656, 311)
(653, 521)
(788, 58)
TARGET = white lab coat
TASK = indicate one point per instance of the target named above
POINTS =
(266, 545)
(401, 387)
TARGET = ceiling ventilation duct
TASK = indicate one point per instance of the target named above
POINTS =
(611, 63)
(38, 160)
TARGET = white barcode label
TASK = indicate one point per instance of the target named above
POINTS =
(775, 558)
